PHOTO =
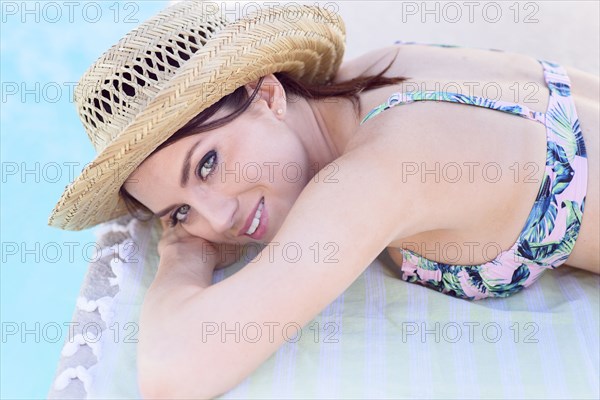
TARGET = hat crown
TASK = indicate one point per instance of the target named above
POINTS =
(172, 67)
(127, 76)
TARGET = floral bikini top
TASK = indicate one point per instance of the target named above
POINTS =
(535, 249)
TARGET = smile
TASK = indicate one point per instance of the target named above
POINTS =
(257, 223)
(256, 219)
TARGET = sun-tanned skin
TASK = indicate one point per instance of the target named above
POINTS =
(364, 208)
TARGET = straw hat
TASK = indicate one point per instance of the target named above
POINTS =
(169, 69)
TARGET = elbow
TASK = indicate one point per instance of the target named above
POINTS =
(154, 385)
(161, 388)
(172, 366)
(148, 389)
(177, 382)
(174, 362)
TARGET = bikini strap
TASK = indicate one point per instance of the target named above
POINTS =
(400, 98)
(450, 46)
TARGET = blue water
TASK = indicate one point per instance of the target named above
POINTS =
(45, 47)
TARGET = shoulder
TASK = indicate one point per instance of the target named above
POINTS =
(399, 143)
(371, 62)
(400, 131)
(584, 86)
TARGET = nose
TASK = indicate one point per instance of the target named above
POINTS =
(219, 211)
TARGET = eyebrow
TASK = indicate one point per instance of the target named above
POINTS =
(185, 176)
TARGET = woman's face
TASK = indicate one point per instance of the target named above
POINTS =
(230, 171)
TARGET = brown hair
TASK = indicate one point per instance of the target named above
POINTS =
(239, 101)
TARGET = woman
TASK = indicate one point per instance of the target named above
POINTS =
(246, 133)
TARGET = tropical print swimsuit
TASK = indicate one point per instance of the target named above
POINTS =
(551, 229)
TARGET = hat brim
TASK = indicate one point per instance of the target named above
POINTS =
(310, 47)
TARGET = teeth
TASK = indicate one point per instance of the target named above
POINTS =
(256, 219)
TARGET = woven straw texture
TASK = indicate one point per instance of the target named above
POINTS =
(169, 69)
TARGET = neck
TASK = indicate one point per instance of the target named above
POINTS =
(324, 127)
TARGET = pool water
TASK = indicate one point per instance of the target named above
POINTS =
(46, 47)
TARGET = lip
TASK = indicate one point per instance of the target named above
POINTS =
(260, 231)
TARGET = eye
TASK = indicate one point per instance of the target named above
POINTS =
(206, 166)
(174, 219)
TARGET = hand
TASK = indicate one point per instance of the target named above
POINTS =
(175, 241)
(228, 254)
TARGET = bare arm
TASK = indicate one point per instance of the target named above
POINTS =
(356, 217)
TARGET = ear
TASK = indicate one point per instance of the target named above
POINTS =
(270, 93)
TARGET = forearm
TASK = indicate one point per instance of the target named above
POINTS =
(209, 342)
(184, 270)
(162, 331)
(221, 334)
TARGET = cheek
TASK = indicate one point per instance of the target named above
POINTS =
(270, 158)
(288, 168)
